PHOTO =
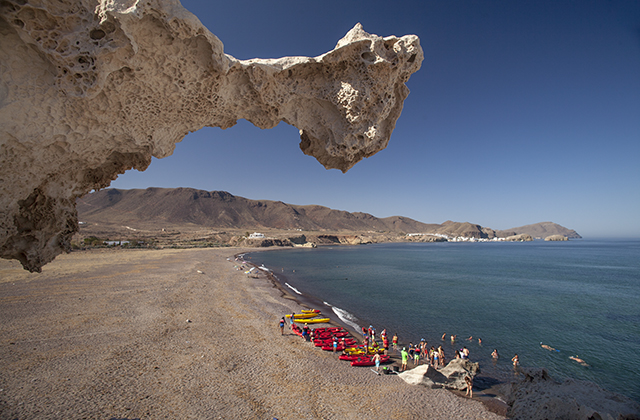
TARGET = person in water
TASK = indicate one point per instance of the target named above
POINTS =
(579, 360)
(516, 360)
(464, 353)
(495, 354)
(453, 338)
(443, 336)
(544, 346)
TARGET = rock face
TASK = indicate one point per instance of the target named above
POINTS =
(451, 376)
(538, 396)
(523, 237)
(92, 88)
(556, 238)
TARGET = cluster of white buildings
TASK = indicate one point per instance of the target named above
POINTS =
(457, 238)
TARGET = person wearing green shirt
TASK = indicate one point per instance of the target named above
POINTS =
(405, 358)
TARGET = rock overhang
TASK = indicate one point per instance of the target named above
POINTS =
(90, 89)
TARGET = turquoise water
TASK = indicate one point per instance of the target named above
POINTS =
(580, 297)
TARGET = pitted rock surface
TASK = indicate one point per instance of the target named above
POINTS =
(90, 89)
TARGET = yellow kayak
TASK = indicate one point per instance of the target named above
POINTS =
(312, 321)
(310, 311)
(302, 316)
(360, 350)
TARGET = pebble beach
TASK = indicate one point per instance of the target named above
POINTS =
(179, 333)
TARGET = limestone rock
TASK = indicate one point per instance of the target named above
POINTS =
(92, 88)
(451, 376)
(523, 237)
(556, 238)
(538, 396)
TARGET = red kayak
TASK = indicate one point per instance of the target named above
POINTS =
(351, 357)
(330, 348)
(368, 361)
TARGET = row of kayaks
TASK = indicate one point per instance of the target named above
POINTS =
(308, 316)
(324, 338)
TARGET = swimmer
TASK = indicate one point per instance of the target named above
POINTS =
(544, 346)
(480, 341)
(470, 338)
(516, 360)
(495, 354)
(444, 336)
(579, 360)
(453, 338)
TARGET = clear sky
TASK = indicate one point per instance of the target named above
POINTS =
(522, 112)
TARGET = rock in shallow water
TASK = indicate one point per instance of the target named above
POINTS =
(90, 89)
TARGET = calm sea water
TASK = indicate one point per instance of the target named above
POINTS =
(580, 297)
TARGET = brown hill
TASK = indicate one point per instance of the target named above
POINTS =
(157, 208)
(153, 207)
(540, 230)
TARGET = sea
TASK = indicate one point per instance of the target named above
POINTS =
(580, 297)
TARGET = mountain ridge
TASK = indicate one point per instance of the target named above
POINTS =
(153, 207)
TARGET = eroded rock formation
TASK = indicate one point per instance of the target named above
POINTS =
(537, 396)
(92, 88)
(450, 377)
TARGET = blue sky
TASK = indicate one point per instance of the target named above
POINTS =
(522, 112)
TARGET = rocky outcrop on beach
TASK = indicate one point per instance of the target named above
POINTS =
(556, 238)
(536, 396)
(92, 88)
(523, 237)
(451, 376)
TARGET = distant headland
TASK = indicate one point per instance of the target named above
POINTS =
(193, 218)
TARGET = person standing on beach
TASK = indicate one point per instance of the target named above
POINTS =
(394, 341)
(291, 319)
(282, 326)
(441, 356)
(469, 382)
(405, 357)
(376, 359)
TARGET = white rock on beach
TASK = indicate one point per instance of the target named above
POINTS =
(451, 376)
(90, 89)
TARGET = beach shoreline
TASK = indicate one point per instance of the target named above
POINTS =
(485, 387)
(178, 334)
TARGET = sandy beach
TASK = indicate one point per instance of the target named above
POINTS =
(177, 334)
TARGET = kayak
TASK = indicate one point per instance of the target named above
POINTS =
(329, 342)
(350, 357)
(302, 316)
(310, 311)
(330, 348)
(368, 361)
(312, 321)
